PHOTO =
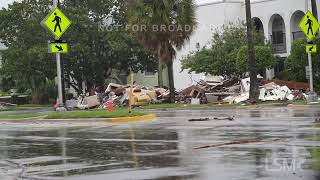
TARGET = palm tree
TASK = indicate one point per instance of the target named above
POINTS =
(163, 27)
(254, 86)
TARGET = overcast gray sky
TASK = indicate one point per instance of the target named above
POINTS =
(6, 2)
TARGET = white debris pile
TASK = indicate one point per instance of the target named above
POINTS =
(274, 92)
(268, 92)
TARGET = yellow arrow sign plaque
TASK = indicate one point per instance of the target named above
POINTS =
(56, 22)
(58, 48)
(311, 48)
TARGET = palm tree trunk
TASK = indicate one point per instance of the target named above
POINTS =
(171, 82)
(160, 77)
(254, 84)
(314, 8)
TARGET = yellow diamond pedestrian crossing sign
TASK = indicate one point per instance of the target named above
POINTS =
(56, 22)
(58, 48)
(309, 25)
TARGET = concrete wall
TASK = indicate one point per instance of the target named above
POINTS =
(150, 80)
(210, 16)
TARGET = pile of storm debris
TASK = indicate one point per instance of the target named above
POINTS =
(118, 95)
(212, 89)
(216, 89)
(5, 106)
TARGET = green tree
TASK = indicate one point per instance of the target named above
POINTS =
(221, 57)
(264, 57)
(101, 46)
(25, 60)
(165, 26)
(97, 47)
(298, 60)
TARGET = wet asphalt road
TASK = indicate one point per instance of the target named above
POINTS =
(268, 144)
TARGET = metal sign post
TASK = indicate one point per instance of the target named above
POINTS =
(57, 23)
(310, 26)
(312, 96)
(131, 92)
(310, 71)
(58, 61)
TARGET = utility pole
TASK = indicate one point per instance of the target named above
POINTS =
(254, 86)
(314, 8)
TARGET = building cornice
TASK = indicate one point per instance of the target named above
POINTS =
(262, 1)
(220, 2)
(232, 1)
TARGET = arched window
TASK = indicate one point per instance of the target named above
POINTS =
(294, 25)
(278, 34)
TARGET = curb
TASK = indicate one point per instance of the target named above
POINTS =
(120, 120)
(25, 119)
(304, 105)
(145, 118)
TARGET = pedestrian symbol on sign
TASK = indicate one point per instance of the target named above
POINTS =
(309, 23)
(57, 19)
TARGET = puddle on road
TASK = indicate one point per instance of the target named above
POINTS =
(165, 149)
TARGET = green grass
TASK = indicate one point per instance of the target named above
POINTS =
(76, 115)
(315, 151)
(26, 107)
(299, 102)
(34, 106)
(316, 158)
(19, 116)
(94, 114)
(160, 106)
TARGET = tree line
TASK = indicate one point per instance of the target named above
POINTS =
(95, 53)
